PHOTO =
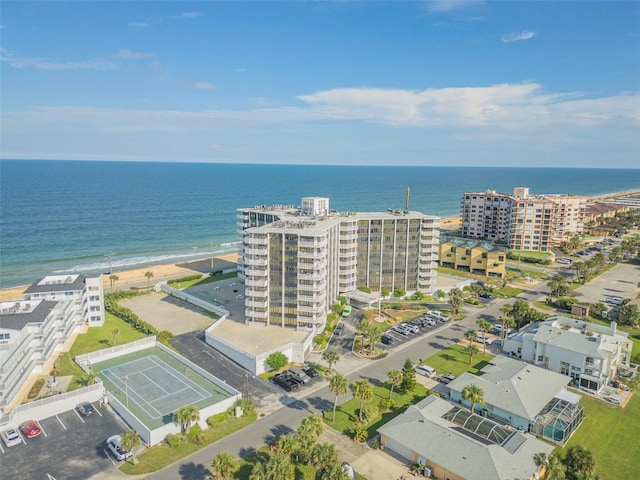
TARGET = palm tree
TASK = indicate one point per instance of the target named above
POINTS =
(363, 391)
(128, 441)
(455, 299)
(257, 472)
(185, 416)
(335, 472)
(323, 455)
(89, 378)
(372, 334)
(507, 324)
(395, 378)
(114, 334)
(330, 356)
(471, 350)
(149, 275)
(312, 425)
(287, 444)
(224, 465)
(555, 468)
(279, 467)
(474, 394)
(579, 461)
(338, 386)
(113, 278)
(484, 328)
(471, 335)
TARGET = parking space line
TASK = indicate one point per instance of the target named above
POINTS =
(97, 410)
(61, 422)
(1, 448)
(108, 455)
(79, 416)
(42, 429)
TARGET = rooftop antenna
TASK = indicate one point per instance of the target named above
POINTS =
(406, 206)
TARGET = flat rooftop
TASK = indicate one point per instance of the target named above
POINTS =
(257, 340)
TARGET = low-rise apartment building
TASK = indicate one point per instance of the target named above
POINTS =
(35, 329)
(474, 256)
(297, 261)
(522, 220)
(591, 354)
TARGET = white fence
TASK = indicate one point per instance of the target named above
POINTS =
(53, 405)
(86, 360)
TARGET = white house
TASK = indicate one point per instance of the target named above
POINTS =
(591, 354)
(454, 444)
(524, 396)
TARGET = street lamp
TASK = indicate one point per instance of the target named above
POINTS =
(126, 391)
(212, 256)
(109, 256)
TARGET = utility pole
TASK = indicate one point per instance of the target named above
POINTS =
(212, 256)
(109, 256)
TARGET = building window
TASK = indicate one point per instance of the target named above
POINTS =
(453, 249)
(5, 336)
(540, 358)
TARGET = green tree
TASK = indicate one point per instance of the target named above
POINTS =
(339, 387)
(149, 275)
(507, 323)
(408, 377)
(185, 416)
(277, 361)
(279, 467)
(129, 441)
(363, 391)
(395, 379)
(399, 293)
(114, 334)
(360, 432)
(629, 315)
(113, 278)
(439, 294)
(224, 465)
(485, 327)
(471, 336)
(331, 357)
(597, 309)
(324, 455)
(558, 286)
(579, 462)
(384, 292)
(312, 425)
(471, 350)
(258, 472)
(335, 472)
(455, 299)
(287, 444)
(474, 394)
(555, 468)
(88, 378)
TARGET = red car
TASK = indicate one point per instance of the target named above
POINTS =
(30, 429)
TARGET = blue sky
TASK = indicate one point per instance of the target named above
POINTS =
(461, 82)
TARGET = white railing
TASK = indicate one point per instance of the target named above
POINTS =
(87, 359)
(253, 282)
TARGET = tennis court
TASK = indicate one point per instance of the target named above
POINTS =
(153, 385)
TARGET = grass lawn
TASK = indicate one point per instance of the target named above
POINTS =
(98, 338)
(347, 412)
(610, 434)
(455, 360)
(506, 292)
(543, 306)
(158, 457)
(529, 254)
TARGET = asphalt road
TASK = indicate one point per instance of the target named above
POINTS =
(287, 418)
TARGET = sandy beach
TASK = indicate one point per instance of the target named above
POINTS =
(136, 277)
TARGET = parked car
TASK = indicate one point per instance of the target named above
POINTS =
(416, 322)
(614, 300)
(486, 295)
(30, 429)
(564, 261)
(425, 370)
(85, 409)
(432, 322)
(386, 339)
(11, 437)
(298, 373)
(400, 329)
(312, 372)
(339, 329)
(113, 444)
(285, 382)
(448, 378)
(411, 328)
(612, 401)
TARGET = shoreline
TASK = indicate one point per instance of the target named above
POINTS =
(131, 277)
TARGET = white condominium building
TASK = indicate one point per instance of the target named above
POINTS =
(522, 220)
(297, 261)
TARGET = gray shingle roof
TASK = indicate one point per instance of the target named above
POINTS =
(17, 321)
(72, 284)
(423, 430)
(514, 386)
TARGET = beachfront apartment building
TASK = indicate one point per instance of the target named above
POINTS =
(591, 354)
(521, 220)
(33, 330)
(297, 261)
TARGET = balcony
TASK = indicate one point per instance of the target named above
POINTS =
(255, 314)
(251, 240)
(256, 292)
(349, 237)
(310, 308)
(315, 255)
(317, 298)
(310, 244)
(347, 285)
(256, 282)
(258, 272)
(310, 276)
(347, 262)
(256, 261)
(349, 227)
(251, 250)
(257, 303)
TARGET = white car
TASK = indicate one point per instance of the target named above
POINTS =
(564, 261)
(400, 329)
(11, 437)
(113, 444)
(425, 370)
(411, 328)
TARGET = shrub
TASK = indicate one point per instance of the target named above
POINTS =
(318, 339)
(216, 419)
(194, 431)
(247, 405)
(35, 390)
(369, 413)
(386, 404)
(277, 360)
(359, 432)
(164, 336)
(175, 440)
(364, 289)
(399, 293)
(188, 278)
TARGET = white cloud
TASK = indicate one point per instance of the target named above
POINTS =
(138, 24)
(191, 15)
(55, 65)
(515, 37)
(204, 86)
(130, 54)
(436, 6)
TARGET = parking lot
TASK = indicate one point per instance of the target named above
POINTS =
(400, 338)
(621, 281)
(70, 447)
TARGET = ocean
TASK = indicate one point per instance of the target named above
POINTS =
(73, 216)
